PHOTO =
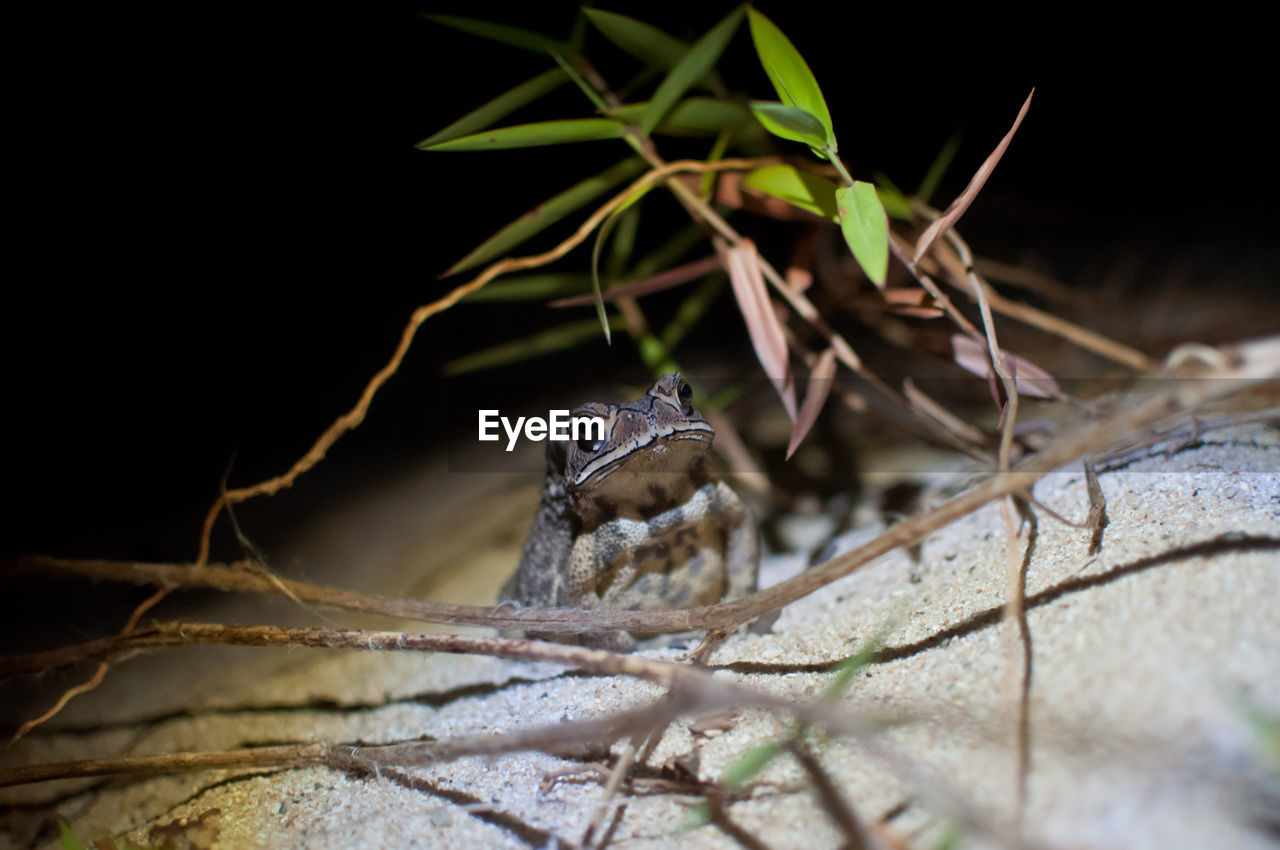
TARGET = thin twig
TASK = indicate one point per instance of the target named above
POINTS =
(836, 806)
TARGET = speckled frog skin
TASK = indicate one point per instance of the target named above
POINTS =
(635, 521)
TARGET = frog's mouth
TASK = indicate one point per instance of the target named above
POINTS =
(675, 448)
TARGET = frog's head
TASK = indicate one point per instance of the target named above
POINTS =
(656, 442)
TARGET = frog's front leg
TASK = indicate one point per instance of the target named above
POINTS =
(742, 554)
(583, 585)
(742, 544)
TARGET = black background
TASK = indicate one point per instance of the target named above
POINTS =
(219, 223)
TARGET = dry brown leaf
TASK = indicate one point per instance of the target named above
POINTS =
(961, 203)
(743, 264)
(674, 276)
(975, 358)
(821, 377)
(910, 301)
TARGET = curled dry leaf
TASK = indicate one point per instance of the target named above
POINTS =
(961, 203)
(1031, 380)
(820, 379)
(910, 301)
(742, 262)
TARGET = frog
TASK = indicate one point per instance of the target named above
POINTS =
(634, 520)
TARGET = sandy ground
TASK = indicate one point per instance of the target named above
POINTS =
(1147, 659)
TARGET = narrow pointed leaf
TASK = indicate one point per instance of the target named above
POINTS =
(544, 342)
(789, 73)
(533, 287)
(535, 135)
(790, 122)
(750, 763)
(601, 235)
(583, 86)
(498, 108)
(894, 202)
(810, 192)
(647, 43)
(961, 203)
(697, 62)
(641, 287)
(865, 228)
(644, 41)
(743, 264)
(820, 378)
(547, 213)
(513, 36)
(597, 297)
(937, 168)
(696, 116)
(1030, 379)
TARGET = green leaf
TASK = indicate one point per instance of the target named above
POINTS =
(69, 840)
(545, 342)
(810, 192)
(790, 122)
(535, 135)
(691, 310)
(647, 43)
(865, 228)
(750, 763)
(498, 108)
(513, 36)
(547, 213)
(583, 86)
(532, 287)
(789, 73)
(696, 816)
(696, 116)
(895, 203)
(696, 63)
(937, 168)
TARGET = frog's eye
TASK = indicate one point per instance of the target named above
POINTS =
(589, 444)
(685, 394)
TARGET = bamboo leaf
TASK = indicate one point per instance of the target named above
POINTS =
(601, 235)
(820, 378)
(535, 135)
(965, 198)
(498, 108)
(894, 202)
(767, 337)
(547, 213)
(695, 116)
(790, 122)
(1030, 379)
(937, 168)
(696, 63)
(513, 36)
(865, 228)
(578, 80)
(544, 342)
(810, 192)
(644, 41)
(533, 287)
(789, 73)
